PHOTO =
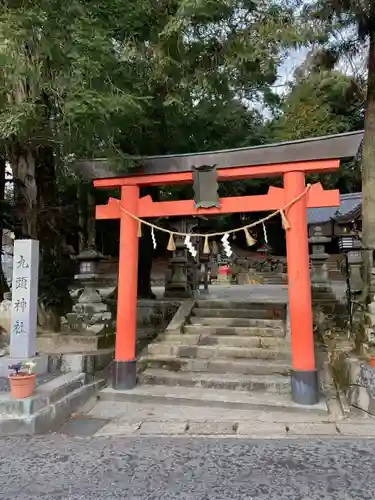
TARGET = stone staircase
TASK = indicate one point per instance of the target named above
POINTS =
(237, 346)
(273, 278)
(334, 272)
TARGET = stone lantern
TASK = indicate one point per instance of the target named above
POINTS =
(351, 246)
(318, 258)
(181, 279)
(90, 314)
(88, 260)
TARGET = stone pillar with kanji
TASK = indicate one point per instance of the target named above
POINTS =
(24, 299)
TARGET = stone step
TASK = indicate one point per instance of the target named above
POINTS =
(266, 314)
(45, 394)
(233, 330)
(337, 277)
(255, 305)
(247, 367)
(212, 398)
(218, 351)
(45, 413)
(186, 340)
(273, 281)
(235, 382)
(274, 277)
(326, 300)
(52, 343)
(246, 322)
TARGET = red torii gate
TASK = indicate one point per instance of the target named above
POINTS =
(304, 376)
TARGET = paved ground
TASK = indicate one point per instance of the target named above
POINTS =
(131, 419)
(66, 468)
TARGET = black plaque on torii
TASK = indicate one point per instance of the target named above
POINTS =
(205, 187)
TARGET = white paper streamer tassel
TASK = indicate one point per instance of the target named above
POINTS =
(226, 245)
(190, 246)
(187, 241)
(265, 233)
(153, 238)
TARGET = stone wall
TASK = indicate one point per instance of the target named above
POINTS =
(156, 313)
(356, 381)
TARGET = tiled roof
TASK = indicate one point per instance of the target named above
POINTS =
(348, 203)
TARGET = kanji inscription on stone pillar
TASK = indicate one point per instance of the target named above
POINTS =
(24, 298)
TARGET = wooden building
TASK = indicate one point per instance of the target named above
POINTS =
(335, 222)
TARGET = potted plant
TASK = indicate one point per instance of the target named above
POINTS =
(22, 380)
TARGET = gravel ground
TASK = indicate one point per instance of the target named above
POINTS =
(66, 468)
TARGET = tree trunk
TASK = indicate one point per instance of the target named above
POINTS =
(82, 201)
(91, 221)
(87, 222)
(48, 207)
(22, 162)
(3, 284)
(368, 173)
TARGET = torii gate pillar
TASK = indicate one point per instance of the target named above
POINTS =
(124, 368)
(304, 376)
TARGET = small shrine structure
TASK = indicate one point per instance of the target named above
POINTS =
(292, 161)
(338, 222)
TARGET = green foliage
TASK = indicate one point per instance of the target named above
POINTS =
(90, 79)
(59, 74)
(321, 103)
(115, 79)
(344, 13)
(55, 277)
(197, 62)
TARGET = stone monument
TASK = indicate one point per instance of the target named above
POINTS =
(24, 298)
(24, 307)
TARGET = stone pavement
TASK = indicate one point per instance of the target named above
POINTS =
(59, 467)
(107, 418)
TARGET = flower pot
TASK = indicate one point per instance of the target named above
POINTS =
(371, 361)
(22, 385)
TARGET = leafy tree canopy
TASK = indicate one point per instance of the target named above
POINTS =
(320, 103)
